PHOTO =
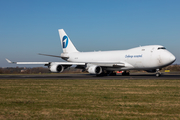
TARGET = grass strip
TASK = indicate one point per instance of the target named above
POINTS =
(89, 99)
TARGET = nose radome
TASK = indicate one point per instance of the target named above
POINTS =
(172, 58)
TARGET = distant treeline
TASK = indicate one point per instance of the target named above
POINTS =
(172, 68)
(35, 70)
(39, 70)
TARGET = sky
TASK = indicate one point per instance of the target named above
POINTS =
(29, 27)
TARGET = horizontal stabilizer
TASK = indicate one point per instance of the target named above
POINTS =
(50, 55)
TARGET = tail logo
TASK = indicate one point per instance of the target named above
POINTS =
(65, 41)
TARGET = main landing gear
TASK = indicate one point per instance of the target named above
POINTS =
(125, 73)
(107, 73)
(158, 73)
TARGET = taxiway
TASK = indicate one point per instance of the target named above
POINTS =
(88, 76)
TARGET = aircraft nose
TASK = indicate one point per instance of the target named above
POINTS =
(166, 58)
(172, 58)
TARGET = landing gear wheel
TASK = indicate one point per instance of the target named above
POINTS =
(111, 73)
(101, 75)
(158, 73)
(125, 73)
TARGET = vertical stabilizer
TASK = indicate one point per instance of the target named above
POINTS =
(66, 43)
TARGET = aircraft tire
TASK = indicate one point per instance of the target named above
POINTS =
(101, 75)
(125, 73)
(158, 74)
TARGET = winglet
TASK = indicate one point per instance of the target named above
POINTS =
(9, 61)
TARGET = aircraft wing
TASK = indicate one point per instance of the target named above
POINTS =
(26, 62)
(91, 67)
(45, 63)
(102, 64)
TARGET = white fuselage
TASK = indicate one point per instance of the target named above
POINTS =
(145, 57)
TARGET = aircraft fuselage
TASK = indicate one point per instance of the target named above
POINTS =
(145, 57)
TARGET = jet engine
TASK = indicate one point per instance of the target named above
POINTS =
(95, 69)
(56, 68)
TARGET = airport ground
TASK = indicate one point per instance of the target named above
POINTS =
(84, 96)
(74, 76)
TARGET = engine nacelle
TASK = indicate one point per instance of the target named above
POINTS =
(56, 68)
(95, 69)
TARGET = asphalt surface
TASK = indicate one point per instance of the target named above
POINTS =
(74, 76)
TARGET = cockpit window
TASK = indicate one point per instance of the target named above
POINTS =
(161, 48)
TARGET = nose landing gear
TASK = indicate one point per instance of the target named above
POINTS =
(158, 73)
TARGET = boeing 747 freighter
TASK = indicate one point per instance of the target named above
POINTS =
(151, 58)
